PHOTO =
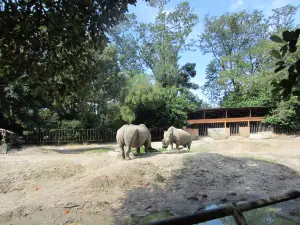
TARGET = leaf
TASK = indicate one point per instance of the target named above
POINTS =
(279, 68)
(285, 83)
(296, 93)
(292, 76)
(284, 49)
(297, 64)
(276, 39)
(291, 68)
(293, 49)
(279, 63)
(276, 54)
(288, 36)
(274, 83)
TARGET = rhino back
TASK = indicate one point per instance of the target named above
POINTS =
(182, 136)
(130, 135)
(144, 134)
(120, 136)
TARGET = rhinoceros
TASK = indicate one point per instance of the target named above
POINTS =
(177, 136)
(133, 136)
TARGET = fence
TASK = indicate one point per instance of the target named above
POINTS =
(256, 127)
(59, 136)
(285, 130)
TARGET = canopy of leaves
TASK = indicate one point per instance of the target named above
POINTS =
(149, 103)
(241, 72)
(157, 46)
(47, 48)
(290, 85)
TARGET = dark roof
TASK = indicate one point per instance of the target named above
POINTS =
(232, 108)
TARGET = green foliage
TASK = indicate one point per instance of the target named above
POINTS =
(47, 49)
(149, 103)
(157, 45)
(241, 55)
(71, 124)
(287, 113)
(290, 85)
(241, 73)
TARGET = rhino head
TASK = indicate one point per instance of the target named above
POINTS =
(166, 140)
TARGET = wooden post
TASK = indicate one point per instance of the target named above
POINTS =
(204, 114)
(248, 123)
(250, 114)
(226, 113)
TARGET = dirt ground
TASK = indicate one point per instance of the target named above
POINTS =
(71, 185)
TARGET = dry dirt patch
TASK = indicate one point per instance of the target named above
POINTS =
(108, 190)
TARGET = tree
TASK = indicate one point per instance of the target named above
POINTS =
(185, 73)
(157, 46)
(45, 50)
(241, 61)
(291, 84)
(149, 103)
(228, 38)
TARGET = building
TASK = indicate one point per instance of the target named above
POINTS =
(224, 122)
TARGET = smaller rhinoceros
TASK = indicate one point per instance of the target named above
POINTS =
(133, 136)
(177, 136)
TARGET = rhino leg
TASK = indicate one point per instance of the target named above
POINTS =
(177, 145)
(147, 146)
(138, 150)
(122, 152)
(189, 145)
(127, 153)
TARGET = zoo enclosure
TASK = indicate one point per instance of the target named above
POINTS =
(60, 136)
(248, 119)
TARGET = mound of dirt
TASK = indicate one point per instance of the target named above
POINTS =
(124, 176)
(48, 174)
(38, 189)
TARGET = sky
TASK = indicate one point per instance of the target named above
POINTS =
(146, 13)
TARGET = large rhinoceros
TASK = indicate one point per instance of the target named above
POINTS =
(177, 136)
(133, 136)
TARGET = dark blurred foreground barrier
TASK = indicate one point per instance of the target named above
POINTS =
(233, 209)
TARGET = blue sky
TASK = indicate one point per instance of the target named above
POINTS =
(146, 13)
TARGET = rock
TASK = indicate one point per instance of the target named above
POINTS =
(194, 198)
(204, 196)
(159, 178)
(224, 200)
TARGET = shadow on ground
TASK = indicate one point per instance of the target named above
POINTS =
(82, 150)
(197, 180)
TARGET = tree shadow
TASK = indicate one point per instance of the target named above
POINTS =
(81, 150)
(204, 179)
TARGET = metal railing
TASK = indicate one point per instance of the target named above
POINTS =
(233, 209)
(62, 136)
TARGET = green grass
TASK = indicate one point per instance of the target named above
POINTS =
(97, 150)
(142, 149)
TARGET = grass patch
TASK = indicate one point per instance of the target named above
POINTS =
(99, 150)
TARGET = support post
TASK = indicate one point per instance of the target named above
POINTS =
(250, 113)
(226, 113)
(248, 123)
(204, 114)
